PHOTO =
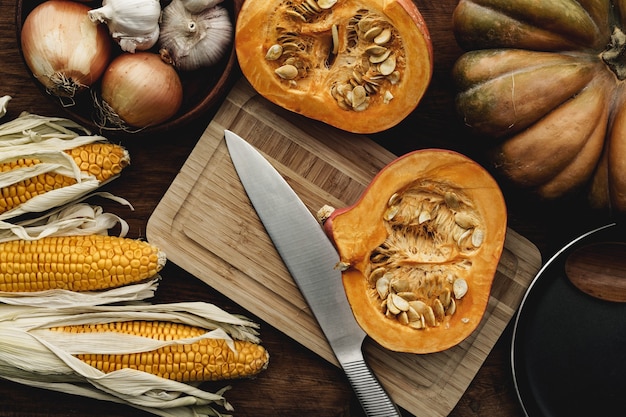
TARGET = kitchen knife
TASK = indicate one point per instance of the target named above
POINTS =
(311, 260)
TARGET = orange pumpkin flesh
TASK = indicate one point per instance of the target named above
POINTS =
(544, 82)
(342, 88)
(427, 240)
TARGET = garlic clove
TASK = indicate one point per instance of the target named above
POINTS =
(137, 43)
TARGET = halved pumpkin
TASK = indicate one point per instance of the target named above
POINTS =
(421, 248)
(358, 65)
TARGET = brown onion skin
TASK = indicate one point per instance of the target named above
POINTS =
(142, 89)
(66, 26)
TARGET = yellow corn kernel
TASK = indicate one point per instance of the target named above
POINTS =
(76, 263)
(205, 360)
(102, 160)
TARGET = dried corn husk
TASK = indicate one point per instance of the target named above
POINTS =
(30, 127)
(4, 101)
(73, 219)
(45, 138)
(64, 298)
(32, 355)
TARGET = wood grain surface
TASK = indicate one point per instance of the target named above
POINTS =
(298, 382)
(206, 225)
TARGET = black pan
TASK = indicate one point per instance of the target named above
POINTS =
(569, 349)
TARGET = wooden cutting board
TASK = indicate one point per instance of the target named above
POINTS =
(206, 225)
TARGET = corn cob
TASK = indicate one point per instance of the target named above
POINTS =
(101, 160)
(76, 263)
(203, 360)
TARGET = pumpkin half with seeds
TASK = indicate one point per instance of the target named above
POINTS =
(542, 84)
(358, 65)
(420, 250)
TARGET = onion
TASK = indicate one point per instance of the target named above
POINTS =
(64, 50)
(140, 90)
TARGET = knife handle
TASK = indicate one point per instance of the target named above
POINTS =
(372, 396)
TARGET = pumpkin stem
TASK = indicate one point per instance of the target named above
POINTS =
(614, 56)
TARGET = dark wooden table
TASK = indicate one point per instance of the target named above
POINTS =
(298, 383)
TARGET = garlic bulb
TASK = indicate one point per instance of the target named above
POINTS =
(192, 40)
(196, 6)
(133, 24)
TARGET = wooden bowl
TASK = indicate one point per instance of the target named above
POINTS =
(203, 89)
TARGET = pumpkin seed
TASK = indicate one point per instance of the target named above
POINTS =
(290, 46)
(372, 79)
(391, 212)
(387, 66)
(348, 97)
(306, 9)
(400, 285)
(375, 50)
(357, 77)
(438, 310)
(372, 33)
(424, 216)
(370, 88)
(335, 38)
(460, 288)
(395, 197)
(477, 237)
(363, 106)
(398, 302)
(403, 318)
(408, 295)
(274, 52)
(326, 4)
(412, 315)
(383, 37)
(387, 97)
(343, 104)
(295, 14)
(365, 24)
(418, 324)
(451, 308)
(334, 92)
(392, 308)
(382, 287)
(378, 58)
(394, 77)
(452, 200)
(463, 236)
(376, 274)
(358, 95)
(444, 297)
(287, 72)
(314, 6)
(429, 317)
(419, 306)
(465, 220)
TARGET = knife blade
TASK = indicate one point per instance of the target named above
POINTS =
(311, 260)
